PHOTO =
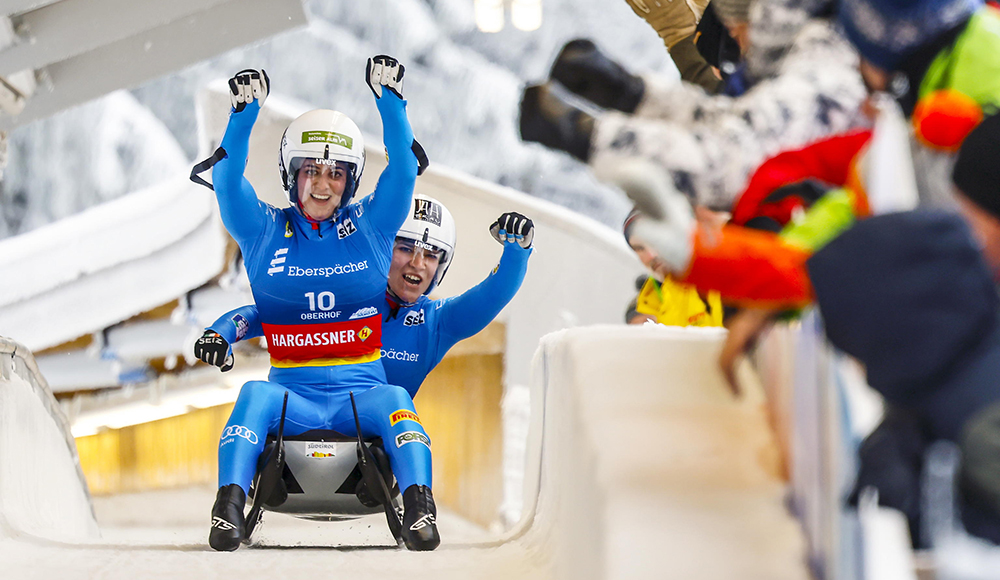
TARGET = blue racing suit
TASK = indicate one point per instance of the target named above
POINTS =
(318, 287)
(416, 337)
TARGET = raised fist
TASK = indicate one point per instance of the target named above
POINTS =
(247, 85)
(214, 350)
(513, 227)
(384, 71)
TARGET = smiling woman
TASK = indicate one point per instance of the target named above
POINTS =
(321, 184)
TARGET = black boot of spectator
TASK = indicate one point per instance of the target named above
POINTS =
(228, 527)
(548, 119)
(582, 68)
(420, 519)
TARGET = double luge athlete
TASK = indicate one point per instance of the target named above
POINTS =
(416, 331)
(317, 271)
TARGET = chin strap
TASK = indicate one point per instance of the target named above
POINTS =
(395, 303)
(205, 165)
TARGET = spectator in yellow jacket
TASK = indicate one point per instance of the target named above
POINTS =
(666, 300)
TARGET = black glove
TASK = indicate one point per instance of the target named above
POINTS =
(247, 85)
(214, 350)
(513, 226)
(384, 71)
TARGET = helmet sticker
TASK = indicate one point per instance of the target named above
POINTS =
(426, 246)
(327, 137)
(426, 210)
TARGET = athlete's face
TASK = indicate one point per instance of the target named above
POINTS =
(412, 269)
(321, 187)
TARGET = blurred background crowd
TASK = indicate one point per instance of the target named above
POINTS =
(842, 155)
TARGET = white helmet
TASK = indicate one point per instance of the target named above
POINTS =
(321, 134)
(430, 223)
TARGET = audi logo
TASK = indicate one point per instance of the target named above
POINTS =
(240, 431)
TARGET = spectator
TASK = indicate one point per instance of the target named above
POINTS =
(952, 45)
(709, 145)
(912, 296)
(663, 299)
(675, 23)
(633, 316)
(941, 60)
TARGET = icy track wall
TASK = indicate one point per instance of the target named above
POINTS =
(42, 490)
(645, 466)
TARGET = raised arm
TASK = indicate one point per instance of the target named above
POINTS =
(470, 312)
(242, 213)
(394, 191)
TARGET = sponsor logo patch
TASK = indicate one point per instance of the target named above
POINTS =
(348, 268)
(313, 340)
(327, 137)
(233, 431)
(364, 313)
(321, 449)
(404, 415)
(364, 333)
(414, 318)
(279, 258)
(412, 437)
(345, 228)
(400, 355)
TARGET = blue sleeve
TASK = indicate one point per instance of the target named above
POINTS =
(242, 213)
(470, 312)
(391, 200)
(239, 324)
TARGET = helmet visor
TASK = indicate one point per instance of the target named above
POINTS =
(317, 181)
(427, 251)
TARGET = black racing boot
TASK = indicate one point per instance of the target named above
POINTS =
(548, 119)
(420, 531)
(582, 68)
(227, 519)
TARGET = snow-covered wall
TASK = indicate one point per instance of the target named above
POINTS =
(643, 465)
(97, 268)
(42, 490)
